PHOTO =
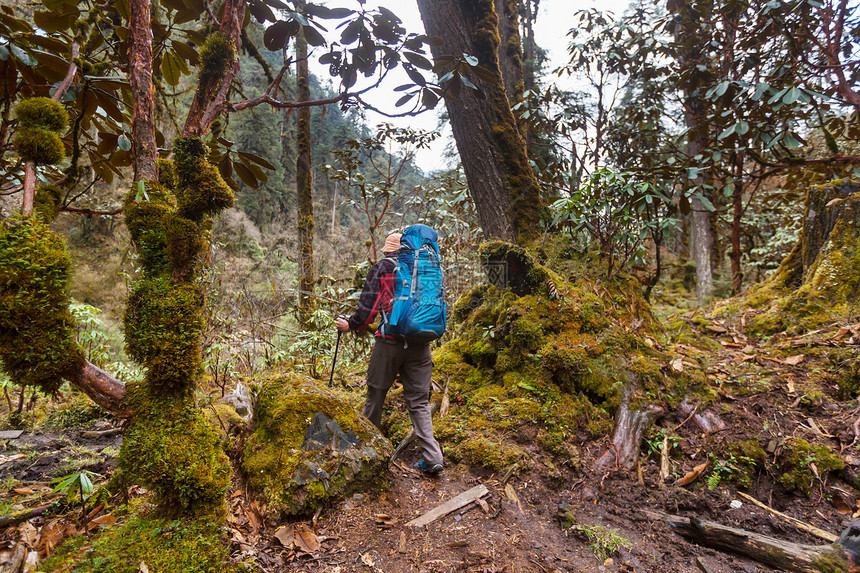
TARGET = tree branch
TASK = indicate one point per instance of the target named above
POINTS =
(91, 212)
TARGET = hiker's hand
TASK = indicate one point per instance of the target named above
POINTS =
(342, 324)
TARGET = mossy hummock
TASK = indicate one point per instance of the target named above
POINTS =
(540, 359)
(40, 122)
(37, 331)
(284, 459)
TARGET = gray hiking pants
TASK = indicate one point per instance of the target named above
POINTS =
(415, 367)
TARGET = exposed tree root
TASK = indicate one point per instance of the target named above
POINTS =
(627, 437)
(784, 555)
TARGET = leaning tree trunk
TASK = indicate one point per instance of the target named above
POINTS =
(503, 185)
(304, 183)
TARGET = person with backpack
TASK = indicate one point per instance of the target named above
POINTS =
(406, 286)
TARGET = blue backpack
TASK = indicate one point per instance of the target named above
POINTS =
(419, 310)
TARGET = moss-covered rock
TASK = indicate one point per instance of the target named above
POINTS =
(171, 449)
(309, 446)
(37, 331)
(175, 545)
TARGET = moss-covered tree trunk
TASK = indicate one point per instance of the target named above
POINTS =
(304, 182)
(501, 181)
(819, 281)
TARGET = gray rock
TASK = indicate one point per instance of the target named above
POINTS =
(240, 399)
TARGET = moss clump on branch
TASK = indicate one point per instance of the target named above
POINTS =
(37, 138)
(42, 112)
(216, 55)
(200, 189)
(37, 331)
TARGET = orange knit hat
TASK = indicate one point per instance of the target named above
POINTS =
(392, 243)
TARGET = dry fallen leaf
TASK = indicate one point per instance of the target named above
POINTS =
(839, 504)
(678, 365)
(368, 560)
(307, 541)
(101, 520)
(285, 534)
(29, 535)
(717, 329)
(385, 519)
(253, 517)
(511, 494)
(23, 490)
(794, 360)
(484, 505)
(52, 534)
(693, 475)
(402, 547)
(144, 568)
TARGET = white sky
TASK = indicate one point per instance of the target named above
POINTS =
(553, 23)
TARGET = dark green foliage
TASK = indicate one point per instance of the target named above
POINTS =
(144, 216)
(37, 332)
(48, 202)
(171, 448)
(40, 145)
(216, 55)
(162, 332)
(200, 188)
(42, 112)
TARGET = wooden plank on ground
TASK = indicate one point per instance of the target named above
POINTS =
(11, 434)
(453, 504)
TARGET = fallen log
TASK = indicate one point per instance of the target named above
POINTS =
(102, 388)
(23, 515)
(838, 557)
(629, 429)
(453, 504)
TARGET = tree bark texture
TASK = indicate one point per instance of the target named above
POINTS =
(782, 555)
(102, 388)
(687, 26)
(143, 149)
(501, 181)
(304, 182)
(212, 91)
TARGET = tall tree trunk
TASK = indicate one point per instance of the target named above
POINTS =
(144, 150)
(737, 216)
(304, 183)
(510, 49)
(687, 31)
(503, 185)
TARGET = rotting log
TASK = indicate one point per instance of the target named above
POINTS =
(629, 429)
(839, 557)
(102, 388)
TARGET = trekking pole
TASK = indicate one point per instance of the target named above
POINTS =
(334, 360)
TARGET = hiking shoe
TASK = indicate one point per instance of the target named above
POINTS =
(426, 468)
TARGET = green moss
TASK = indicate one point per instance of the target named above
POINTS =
(468, 302)
(37, 331)
(42, 112)
(845, 366)
(223, 418)
(171, 449)
(162, 331)
(275, 462)
(174, 545)
(144, 217)
(40, 145)
(200, 188)
(184, 242)
(216, 55)
(795, 460)
(48, 201)
(167, 174)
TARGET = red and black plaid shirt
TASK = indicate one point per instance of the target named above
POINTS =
(377, 294)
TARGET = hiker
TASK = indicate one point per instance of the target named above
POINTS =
(392, 355)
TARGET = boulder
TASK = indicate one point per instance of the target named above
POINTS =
(308, 446)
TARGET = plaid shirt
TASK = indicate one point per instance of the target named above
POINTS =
(377, 294)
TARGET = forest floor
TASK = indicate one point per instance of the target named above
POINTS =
(770, 391)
